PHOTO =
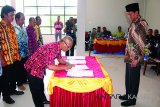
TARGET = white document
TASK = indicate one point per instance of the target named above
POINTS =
(73, 61)
(76, 72)
(76, 57)
(79, 67)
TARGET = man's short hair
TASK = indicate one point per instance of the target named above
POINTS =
(37, 18)
(31, 18)
(6, 9)
(18, 15)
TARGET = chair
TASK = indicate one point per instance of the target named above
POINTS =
(152, 62)
(157, 65)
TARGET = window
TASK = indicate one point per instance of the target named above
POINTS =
(48, 12)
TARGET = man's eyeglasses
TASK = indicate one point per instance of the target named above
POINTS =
(66, 44)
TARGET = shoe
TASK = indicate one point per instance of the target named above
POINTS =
(128, 103)
(17, 93)
(124, 97)
(8, 100)
(21, 87)
(46, 102)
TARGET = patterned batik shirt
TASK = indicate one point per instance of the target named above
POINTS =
(32, 41)
(136, 39)
(58, 27)
(22, 41)
(44, 56)
(9, 46)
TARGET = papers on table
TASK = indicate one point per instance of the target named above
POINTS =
(78, 67)
(74, 61)
(76, 57)
(80, 71)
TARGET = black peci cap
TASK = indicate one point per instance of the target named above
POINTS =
(132, 7)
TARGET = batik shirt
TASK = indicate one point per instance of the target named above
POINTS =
(58, 27)
(136, 39)
(22, 41)
(32, 41)
(9, 46)
(44, 56)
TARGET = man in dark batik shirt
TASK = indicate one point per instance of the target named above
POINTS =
(134, 54)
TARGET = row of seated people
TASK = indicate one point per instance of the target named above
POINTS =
(153, 43)
(104, 33)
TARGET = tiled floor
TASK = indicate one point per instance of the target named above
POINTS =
(149, 91)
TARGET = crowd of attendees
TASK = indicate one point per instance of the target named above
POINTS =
(152, 38)
(153, 43)
(103, 33)
(18, 44)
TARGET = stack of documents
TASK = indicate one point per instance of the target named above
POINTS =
(80, 71)
(76, 57)
(74, 61)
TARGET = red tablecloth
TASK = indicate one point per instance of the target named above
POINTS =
(63, 98)
(101, 45)
(81, 92)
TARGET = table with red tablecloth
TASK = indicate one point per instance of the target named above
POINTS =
(109, 46)
(83, 91)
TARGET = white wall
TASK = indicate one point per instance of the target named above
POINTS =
(109, 13)
(153, 14)
(81, 12)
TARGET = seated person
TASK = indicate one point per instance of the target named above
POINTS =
(106, 33)
(156, 34)
(93, 34)
(151, 43)
(119, 33)
(99, 32)
(158, 50)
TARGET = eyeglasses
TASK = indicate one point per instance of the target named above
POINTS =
(66, 44)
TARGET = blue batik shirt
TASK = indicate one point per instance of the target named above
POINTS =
(22, 41)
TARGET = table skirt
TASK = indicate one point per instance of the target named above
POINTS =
(64, 98)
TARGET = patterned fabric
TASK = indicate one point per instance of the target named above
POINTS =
(9, 52)
(58, 27)
(22, 41)
(44, 56)
(38, 35)
(136, 39)
(32, 42)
